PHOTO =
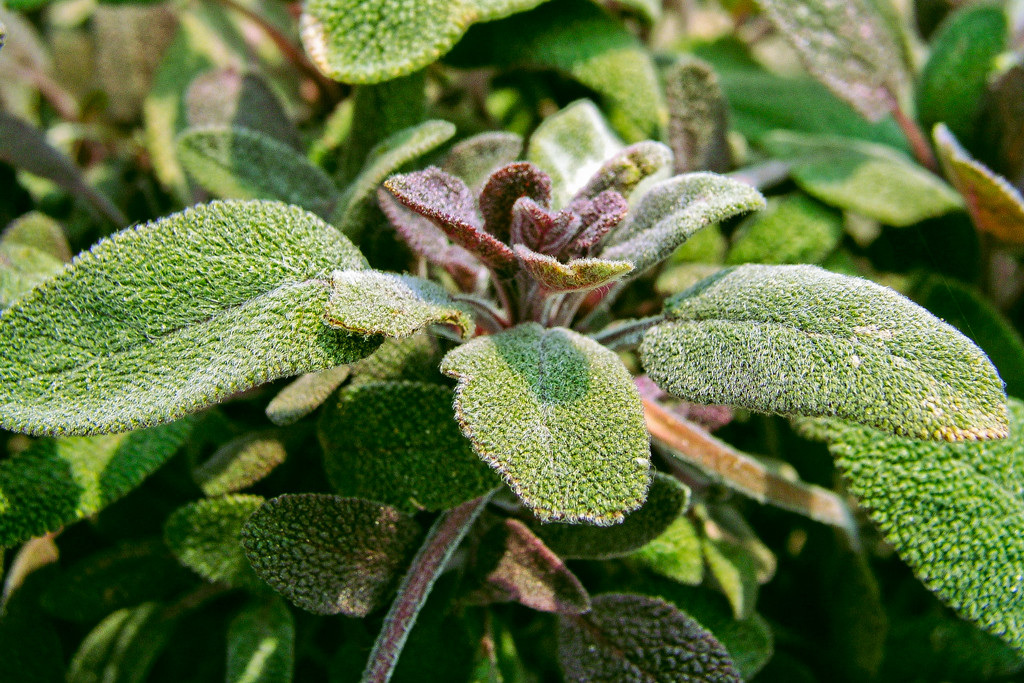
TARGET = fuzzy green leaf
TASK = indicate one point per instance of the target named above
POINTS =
(996, 206)
(398, 443)
(36, 229)
(624, 170)
(953, 512)
(414, 358)
(304, 395)
(261, 644)
(801, 340)
(21, 268)
(675, 554)
(229, 98)
(666, 500)
(873, 180)
(204, 536)
(223, 297)
(577, 275)
(328, 554)
(735, 572)
(54, 483)
(240, 463)
(794, 229)
(123, 647)
(238, 163)
(476, 158)
(672, 211)
(952, 85)
(637, 639)
(698, 117)
(847, 45)
(558, 416)
(370, 302)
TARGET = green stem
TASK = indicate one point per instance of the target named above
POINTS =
(626, 335)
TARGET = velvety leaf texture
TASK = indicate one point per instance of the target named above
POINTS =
(952, 511)
(577, 274)
(675, 554)
(261, 644)
(327, 554)
(304, 395)
(238, 163)
(398, 443)
(54, 483)
(625, 169)
(36, 229)
(370, 302)
(558, 416)
(666, 500)
(240, 463)
(204, 536)
(21, 268)
(221, 298)
(996, 206)
(476, 158)
(847, 45)
(414, 358)
(673, 211)
(229, 98)
(698, 117)
(795, 229)
(801, 340)
(637, 639)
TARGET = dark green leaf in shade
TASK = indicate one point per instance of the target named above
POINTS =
(126, 575)
(577, 275)
(995, 206)
(794, 229)
(856, 614)
(204, 536)
(952, 84)
(239, 163)
(398, 443)
(414, 358)
(261, 643)
(673, 211)
(558, 416)
(675, 554)
(54, 483)
(952, 511)
(305, 394)
(476, 158)
(370, 302)
(666, 500)
(734, 571)
(232, 99)
(22, 268)
(801, 340)
(329, 554)
(30, 647)
(36, 229)
(1001, 128)
(847, 45)
(698, 118)
(873, 180)
(637, 639)
(240, 463)
(220, 298)
(528, 572)
(123, 647)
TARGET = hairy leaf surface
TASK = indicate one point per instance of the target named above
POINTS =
(577, 275)
(36, 229)
(801, 340)
(304, 395)
(558, 416)
(476, 158)
(22, 268)
(240, 463)
(675, 554)
(222, 297)
(698, 117)
(230, 98)
(261, 644)
(795, 229)
(205, 537)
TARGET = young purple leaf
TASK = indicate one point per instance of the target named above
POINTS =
(504, 188)
(543, 231)
(598, 217)
(576, 275)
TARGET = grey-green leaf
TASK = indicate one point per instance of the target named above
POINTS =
(204, 536)
(794, 229)
(371, 302)
(239, 163)
(476, 158)
(54, 483)
(558, 416)
(327, 554)
(240, 463)
(21, 268)
(261, 644)
(220, 298)
(304, 395)
(698, 117)
(801, 340)
(673, 211)
(36, 229)
(637, 639)
(675, 554)
(398, 443)
(228, 97)
(953, 512)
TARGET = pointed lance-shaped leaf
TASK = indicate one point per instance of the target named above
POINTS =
(637, 639)
(205, 537)
(502, 190)
(124, 646)
(220, 298)
(476, 158)
(800, 340)
(304, 395)
(54, 483)
(848, 46)
(240, 463)
(675, 554)
(953, 512)
(698, 118)
(558, 416)
(371, 302)
(261, 643)
(328, 554)
(577, 275)
(239, 163)
(673, 211)
(996, 206)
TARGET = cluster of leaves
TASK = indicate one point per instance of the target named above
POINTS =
(399, 330)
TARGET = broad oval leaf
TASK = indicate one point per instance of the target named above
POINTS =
(370, 302)
(304, 395)
(240, 463)
(54, 483)
(638, 639)
(801, 340)
(954, 513)
(205, 537)
(261, 644)
(36, 229)
(675, 554)
(217, 299)
(21, 268)
(558, 416)
(398, 443)
(328, 554)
